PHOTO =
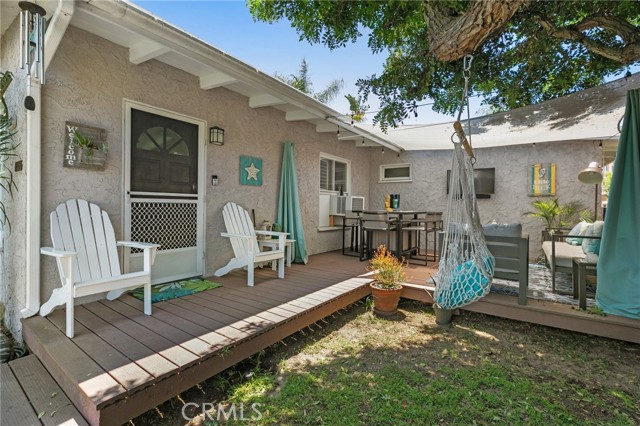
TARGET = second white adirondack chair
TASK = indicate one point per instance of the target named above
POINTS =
(84, 246)
(244, 241)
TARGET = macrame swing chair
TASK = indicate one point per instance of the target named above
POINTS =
(465, 270)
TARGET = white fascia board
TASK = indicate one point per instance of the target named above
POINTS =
(145, 51)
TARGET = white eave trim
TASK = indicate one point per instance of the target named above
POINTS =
(130, 17)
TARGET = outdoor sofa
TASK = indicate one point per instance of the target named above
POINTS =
(564, 247)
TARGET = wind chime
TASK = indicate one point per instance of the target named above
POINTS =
(32, 29)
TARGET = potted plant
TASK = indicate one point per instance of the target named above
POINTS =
(443, 315)
(89, 151)
(556, 215)
(389, 273)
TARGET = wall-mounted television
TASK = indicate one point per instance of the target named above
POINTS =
(483, 181)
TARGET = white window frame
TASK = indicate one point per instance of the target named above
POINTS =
(347, 189)
(324, 194)
(385, 167)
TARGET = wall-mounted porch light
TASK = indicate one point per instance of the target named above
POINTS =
(216, 135)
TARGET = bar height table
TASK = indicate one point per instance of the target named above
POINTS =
(398, 218)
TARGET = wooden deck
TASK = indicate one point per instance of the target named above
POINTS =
(122, 363)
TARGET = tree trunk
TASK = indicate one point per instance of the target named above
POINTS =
(455, 34)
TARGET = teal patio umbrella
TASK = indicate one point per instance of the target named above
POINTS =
(618, 290)
(289, 215)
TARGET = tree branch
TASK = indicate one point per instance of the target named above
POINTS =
(452, 35)
(624, 55)
(628, 32)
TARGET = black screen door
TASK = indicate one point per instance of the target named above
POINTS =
(164, 154)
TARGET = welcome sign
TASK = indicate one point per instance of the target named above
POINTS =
(542, 179)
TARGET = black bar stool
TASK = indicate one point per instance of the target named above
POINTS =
(351, 224)
(431, 223)
(371, 223)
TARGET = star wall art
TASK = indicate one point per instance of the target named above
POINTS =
(250, 171)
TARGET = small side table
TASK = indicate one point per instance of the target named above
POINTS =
(273, 245)
(580, 266)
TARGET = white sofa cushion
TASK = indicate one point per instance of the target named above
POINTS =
(564, 253)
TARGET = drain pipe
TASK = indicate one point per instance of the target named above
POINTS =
(55, 31)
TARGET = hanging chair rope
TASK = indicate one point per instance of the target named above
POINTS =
(466, 267)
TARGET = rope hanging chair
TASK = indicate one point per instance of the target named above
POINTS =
(466, 266)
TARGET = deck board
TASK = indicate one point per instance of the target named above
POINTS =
(151, 322)
(215, 340)
(84, 381)
(149, 360)
(128, 374)
(177, 355)
(44, 395)
(240, 327)
(242, 309)
(16, 409)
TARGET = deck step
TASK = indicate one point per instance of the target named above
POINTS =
(30, 396)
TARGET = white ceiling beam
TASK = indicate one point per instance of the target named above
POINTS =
(366, 144)
(298, 115)
(365, 134)
(216, 79)
(326, 128)
(146, 50)
(266, 100)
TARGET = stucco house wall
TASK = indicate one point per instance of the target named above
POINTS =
(13, 242)
(86, 83)
(428, 191)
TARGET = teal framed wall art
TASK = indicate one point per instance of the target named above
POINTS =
(250, 171)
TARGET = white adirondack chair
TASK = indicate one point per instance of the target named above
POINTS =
(84, 246)
(244, 241)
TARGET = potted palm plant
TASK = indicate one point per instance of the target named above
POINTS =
(389, 273)
(556, 215)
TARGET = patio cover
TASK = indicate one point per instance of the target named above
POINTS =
(592, 114)
(618, 290)
(289, 214)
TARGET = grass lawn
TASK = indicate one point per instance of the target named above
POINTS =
(361, 370)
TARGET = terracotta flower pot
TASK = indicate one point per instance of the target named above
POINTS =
(385, 301)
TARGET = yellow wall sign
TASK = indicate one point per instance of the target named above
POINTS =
(542, 179)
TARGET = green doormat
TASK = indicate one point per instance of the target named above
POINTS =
(162, 292)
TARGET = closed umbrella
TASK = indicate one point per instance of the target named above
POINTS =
(289, 215)
(618, 290)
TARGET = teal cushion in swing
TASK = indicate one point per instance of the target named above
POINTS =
(467, 283)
